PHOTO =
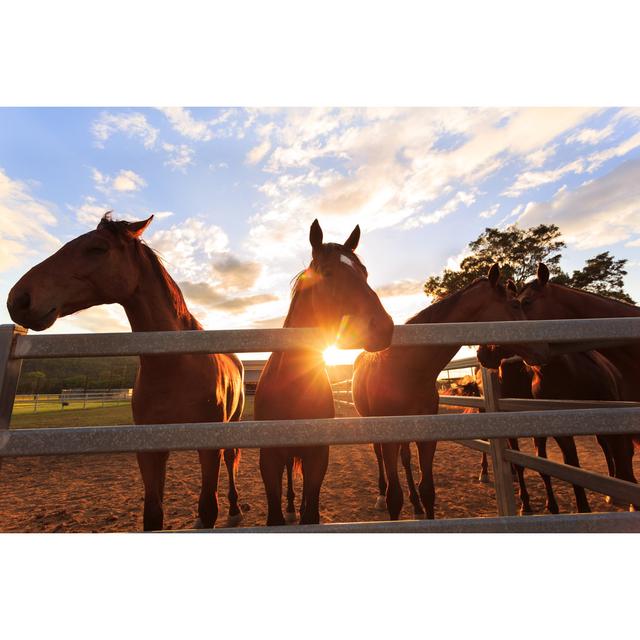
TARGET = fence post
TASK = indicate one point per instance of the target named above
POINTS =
(502, 478)
(9, 375)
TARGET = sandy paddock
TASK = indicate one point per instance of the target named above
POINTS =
(104, 492)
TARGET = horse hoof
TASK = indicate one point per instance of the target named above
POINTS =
(381, 503)
(233, 520)
(198, 524)
(526, 512)
(484, 478)
(290, 517)
(608, 499)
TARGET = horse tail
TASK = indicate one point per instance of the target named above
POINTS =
(236, 460)
(297, 466)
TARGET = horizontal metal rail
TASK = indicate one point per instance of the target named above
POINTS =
(529, 404)
(304, 432)
(607, 330)
(618, 489)
(574, 523)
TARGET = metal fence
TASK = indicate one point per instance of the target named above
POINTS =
(486, 431)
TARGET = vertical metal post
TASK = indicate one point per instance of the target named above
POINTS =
(503, 481)
(9, 375)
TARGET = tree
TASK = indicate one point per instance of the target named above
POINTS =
(602, 274)
(518, 251)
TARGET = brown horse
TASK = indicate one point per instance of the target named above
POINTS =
(575, 376)
(332, 294)
(112, 265)
(402, 380)
(545, 300)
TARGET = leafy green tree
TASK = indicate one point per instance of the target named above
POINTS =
(517, 250)
(602, 274)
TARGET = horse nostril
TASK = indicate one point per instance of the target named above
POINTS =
(22, 302)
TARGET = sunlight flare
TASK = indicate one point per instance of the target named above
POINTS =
(334, 356)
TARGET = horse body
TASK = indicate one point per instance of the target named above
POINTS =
(402, 380)
(111, 265)
(575, 376)
(333, 296)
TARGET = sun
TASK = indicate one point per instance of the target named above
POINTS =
(334, 356)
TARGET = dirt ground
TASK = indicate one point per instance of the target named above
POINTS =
(100, 493)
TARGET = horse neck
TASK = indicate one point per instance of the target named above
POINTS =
(578, 304)
(152, 308)
(581, 304)
(302, 361)
(433, 358)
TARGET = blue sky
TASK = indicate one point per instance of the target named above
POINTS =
(235, 190)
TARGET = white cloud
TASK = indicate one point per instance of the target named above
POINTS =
(461, 197)
(25, 222)
(134, 125)
(490, 212)
(597, 159)
(532, 179)
(407, 287)
(597, 214)
(161, 215)
(105, 318)
(126, 181)
(90, 211)
(229, 122)
(190, 247)
(590, 136)
(180, 155)
(388, 165)
(185, 124)
(258, 152)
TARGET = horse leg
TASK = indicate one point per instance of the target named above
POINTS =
(570, 455)
(394, 497)
(272, 463)
(405, 457)
(314, 469)
(484, 469)
(290, 513)
(621, 447)
(208, 502)
(541, 451)
(525, 506)
(232, 460)
(426, 451)
(603, 441)
(381, 501)
(153, 468)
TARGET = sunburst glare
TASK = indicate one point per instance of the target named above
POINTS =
(334, 356)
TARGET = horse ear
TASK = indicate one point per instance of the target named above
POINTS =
(315, 235)
(511, 286)
(494, 274)
(543, 274)
(352, 241)
(136, 229)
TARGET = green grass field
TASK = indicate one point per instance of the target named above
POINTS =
(89, 417)
(53, 407)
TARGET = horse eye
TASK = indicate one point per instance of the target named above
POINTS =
(97, 249)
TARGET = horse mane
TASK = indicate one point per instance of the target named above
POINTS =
(171, 289)
(443, 303)
(535, 285)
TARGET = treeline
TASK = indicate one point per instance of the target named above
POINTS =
(53, 375)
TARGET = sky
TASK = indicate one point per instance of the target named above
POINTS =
(234, 191)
